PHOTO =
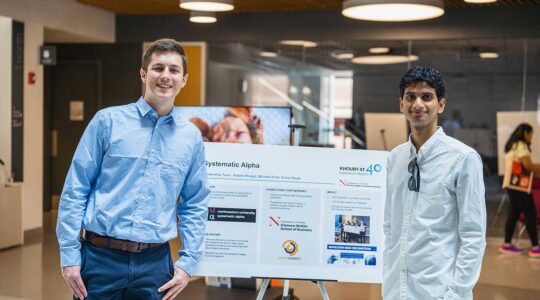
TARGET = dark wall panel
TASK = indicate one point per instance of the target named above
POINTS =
(17, 101)
(120, 63)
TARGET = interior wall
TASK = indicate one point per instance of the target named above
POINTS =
(5, 91)
(66, 15)
(32, 194)
(224, 84)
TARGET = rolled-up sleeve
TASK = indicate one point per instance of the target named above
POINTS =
(84, 169)
(193, 211)
(471, 228)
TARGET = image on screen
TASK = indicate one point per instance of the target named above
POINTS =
(246, 125)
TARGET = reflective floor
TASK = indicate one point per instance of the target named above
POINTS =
(32, 272)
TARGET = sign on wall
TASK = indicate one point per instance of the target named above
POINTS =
(294, 212)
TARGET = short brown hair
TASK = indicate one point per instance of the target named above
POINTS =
(164, 45)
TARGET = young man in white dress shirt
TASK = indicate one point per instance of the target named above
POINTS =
(435, 216)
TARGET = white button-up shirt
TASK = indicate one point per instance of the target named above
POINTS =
(434, 238)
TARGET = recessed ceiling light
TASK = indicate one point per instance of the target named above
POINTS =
(383, 59)
(268, 54)
(393, 10)
(293, 90)
(307, 44)
(489, 54)
(480, 1)
(379, 50)
(343, 55)
(207, 5)
(203, 17)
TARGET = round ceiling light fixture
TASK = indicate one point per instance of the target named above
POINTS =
(307, 44)
(392, 10)
(207, 5)
(343, 55)
(202, 17)
(480, 1)
(383, 59)
(268, 53)
(488, 54)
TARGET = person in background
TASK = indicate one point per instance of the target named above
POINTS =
(518, 148)
(451, 125)
(231, 130)
(362, 228)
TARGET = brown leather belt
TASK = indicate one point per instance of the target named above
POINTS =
(118, 244)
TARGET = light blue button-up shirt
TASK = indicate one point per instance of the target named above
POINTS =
(132, 175)
(434, 238)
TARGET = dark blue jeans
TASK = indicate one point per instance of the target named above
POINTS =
(115, 274)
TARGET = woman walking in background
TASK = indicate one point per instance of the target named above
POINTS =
(518, 151)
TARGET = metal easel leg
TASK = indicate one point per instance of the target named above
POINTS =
(504, 198)
(262, 291)
(323, 290)
(286, 295)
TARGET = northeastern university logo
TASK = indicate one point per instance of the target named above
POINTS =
(290, 247)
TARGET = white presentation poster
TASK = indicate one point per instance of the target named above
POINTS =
(294, 212)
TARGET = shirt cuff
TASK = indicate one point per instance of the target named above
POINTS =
(70, 258)
(184, 264)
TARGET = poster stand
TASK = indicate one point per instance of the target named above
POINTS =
(286, 282)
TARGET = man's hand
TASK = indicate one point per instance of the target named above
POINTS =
(175, 285)
(72, 275)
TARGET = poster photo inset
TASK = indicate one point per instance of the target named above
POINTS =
(352, 229)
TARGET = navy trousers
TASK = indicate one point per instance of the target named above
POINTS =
(115, 274)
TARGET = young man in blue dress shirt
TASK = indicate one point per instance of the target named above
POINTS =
(435, 214)
(138, 177)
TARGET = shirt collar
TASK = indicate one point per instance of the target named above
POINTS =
(145, 109)
(428, 146)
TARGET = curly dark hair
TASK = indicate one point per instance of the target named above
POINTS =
(426, 74)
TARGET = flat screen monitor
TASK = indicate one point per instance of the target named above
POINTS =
(241, 124)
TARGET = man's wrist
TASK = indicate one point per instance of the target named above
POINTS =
(184, 267)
